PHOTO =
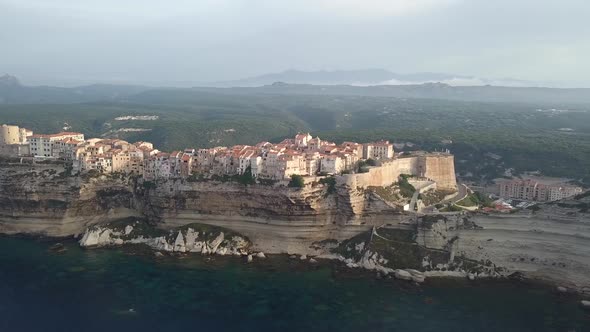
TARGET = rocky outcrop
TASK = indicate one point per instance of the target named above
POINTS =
(549, 242)
(193, 238)
(396, 251)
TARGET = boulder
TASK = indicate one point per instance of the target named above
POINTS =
(585, 304)
(402, 274)
(249, 259)
(190, 240)
(312, 260)
(104, 237)
(260, 255)
(216, 242)
(561, 289)
(417, 276)
(128, 229)
(471, 276)
(179, 243)
(303, 257)
(518, 276)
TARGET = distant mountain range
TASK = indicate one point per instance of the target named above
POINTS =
(13, 92)
(367, 77)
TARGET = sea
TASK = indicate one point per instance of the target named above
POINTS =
(131, 289)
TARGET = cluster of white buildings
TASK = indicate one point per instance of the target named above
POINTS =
(303, 155)
(534, 190)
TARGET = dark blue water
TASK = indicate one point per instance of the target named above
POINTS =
(94, 290)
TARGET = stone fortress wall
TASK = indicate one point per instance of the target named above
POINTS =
(9, 135)
(439, 167)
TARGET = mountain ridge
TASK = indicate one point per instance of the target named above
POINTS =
(366, 77)
(12, 92)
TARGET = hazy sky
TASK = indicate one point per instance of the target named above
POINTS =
(176, 41)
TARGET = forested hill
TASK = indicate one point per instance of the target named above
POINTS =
(13, 92)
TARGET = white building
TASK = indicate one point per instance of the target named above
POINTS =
(378, 150)
(42, 145)
(301, 140)
(332, 164)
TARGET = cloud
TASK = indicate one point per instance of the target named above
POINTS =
(379, 8)
(139, 9)
(211, 40)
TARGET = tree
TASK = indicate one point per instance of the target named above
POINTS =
(329, 181)
(371, 162)
(247, 177)
(297, 181)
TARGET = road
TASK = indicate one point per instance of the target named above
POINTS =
(463, 191)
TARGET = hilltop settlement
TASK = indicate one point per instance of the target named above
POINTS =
(303, 155)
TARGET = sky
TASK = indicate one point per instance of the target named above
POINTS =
(182, 42)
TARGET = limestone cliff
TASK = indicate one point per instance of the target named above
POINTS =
(44, 200)
(549, 242)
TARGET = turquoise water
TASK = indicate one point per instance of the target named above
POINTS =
(128, 289)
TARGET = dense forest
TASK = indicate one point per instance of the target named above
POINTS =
(486, 137)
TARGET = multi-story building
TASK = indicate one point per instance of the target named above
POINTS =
(65, 148)
(532, 190)
(42, 145)
(378, 150)
(332, 164)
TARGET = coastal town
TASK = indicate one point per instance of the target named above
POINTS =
(302, 155)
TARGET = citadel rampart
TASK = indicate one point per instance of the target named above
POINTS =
(439, 167)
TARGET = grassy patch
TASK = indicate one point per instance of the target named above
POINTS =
(475, 199)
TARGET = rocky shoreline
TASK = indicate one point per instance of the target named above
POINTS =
(347, 224)
(211, 240)
(207, 241)
(104, 237)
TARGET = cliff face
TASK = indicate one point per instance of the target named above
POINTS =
(177, 199)
(43, 200)
(551, 243)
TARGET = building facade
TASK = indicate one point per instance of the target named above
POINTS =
(531, 190)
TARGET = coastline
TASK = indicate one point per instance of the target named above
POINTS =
(284, 261)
